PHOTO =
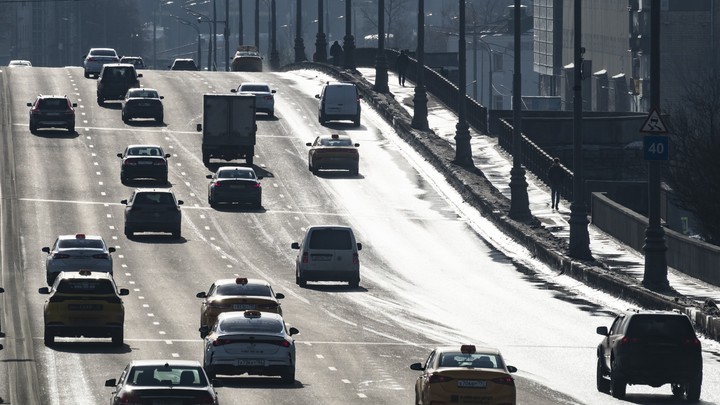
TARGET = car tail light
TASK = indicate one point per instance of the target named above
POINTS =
(101, 256)
(356, 259)
(628, 341)
(160, 163)
(218, 184)
(305, 257)
(268, 97)
(60, 256)
(56, 299)
(691, 342)
(283, 343)
(91, 59)
(130, 162)
(129, 399)
(113, 300)
(221, 342)
(256, 185)
(217, 305)
(504, 380)
(203, 400)
(438, 378)
(267, 307)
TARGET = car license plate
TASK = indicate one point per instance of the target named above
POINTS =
(144, 104)
(250, 362)
(84, 307)
(472, 383)
(237, 186)
(145, 162)
(321, 258)
(167, 402)
(243, 306)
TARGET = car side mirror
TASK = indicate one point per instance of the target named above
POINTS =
(317, 96)
(233, 90)
(29, 104)
(512, 369)
(293, 331)
(162, 97)
(260, 177)
(1, 347)
(199, 128)
(181, 202)
(74, 105)
(279, 296)
(139, 75)
(273, 91)
(602, 330)
(360, 96)
(417, 367)
(2, 290)
(216, 383)
(124, 291)
(120, 155)
(359, 246)
(111, 249)
(204, 331)
(167, 156)
(201, 294)
(46, 249)
(123, 202)
(308, 144)
(111, 382)
(209, 176)
(295, 245)
(44, 290)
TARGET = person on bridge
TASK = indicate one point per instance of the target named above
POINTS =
(336, 52)
(401, 64)
(555, 176)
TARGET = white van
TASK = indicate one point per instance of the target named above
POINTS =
(339, 101)
(328, 253)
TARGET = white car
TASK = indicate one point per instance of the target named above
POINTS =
(252, 342)
(19, 63)
(264, 96)
(96, 58)
(77, 252)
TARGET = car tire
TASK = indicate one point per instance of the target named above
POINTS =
(177, 234)
(33, 129)
(50, 279)
(617, 385)
(603, 385)
(87, 75)
(164, 179)
(48, 338)
(160, 119)
(206, 158)
(100, 100)
(258, 204)
(355, 171)
(356, 122)
(71, 129)
(118, 338)
(249, 160)
(692, 390)
(129, 232)
(355, 283)
(271, 114)
(301, 281)
(288, 377)
(678, 390)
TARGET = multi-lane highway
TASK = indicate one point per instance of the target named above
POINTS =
(428, 276)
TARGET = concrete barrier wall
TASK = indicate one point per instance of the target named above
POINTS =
(687, 255)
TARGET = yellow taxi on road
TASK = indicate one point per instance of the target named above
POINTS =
(465, 375)
(237, 294)
(84, 303)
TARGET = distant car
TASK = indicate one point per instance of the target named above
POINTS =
(234, 184)
(96, 58)
(153, 210)
(52, 112)
(327, 253)
(137, 61)
(77, 252)
(183, 64)
(237, 294)
(115, 80)
(19, 63)
(264, 96)
(163, 382)
(462, 374)
(333, 152)
(143, 103)
(84, 303)
(144, 162)
(650, 348)
(339, 101)
(252, 342)
(247, 59)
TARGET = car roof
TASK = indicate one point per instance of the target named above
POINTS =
(236, 168)
(328, 227)
(335, 136)
(128, 65)
(340, 84)
(52, 96)
(74, 236)
(153, 190)
(171, 363)
(102, 49)
(241, 315)
(255, 84)
(132, 57)
(143, 146)
(632, 312)
(142, 88)
(258, 281)
(478, 349)
(97, 275)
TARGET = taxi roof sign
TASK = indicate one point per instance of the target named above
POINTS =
(253, 314)
(467, 349)
(654, 123)
(241, 280)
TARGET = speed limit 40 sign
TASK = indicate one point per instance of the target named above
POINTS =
(655, 147)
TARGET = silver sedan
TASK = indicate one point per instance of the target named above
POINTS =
(77, 252)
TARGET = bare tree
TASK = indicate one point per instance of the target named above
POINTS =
(399, 19)
(693, 170)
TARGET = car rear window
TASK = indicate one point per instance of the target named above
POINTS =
(154, 199)
(660, 326)
(103, 52)
(171, 375)
(238, 289)
(80, 244)
(147, 151)
(251, 325)
(477, 360)
(85, 286)
(235, 174)
(330, 239)
(53, 104)
(335, 142)
(143, 93)
(255, 88)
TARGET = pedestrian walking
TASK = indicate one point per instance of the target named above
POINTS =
(401, 64)
(555, 176)
(336, 52)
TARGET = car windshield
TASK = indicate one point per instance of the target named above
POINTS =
(660, 326)
(330, 239)
(186, 376)
(256, 325)
(247, 289)
(143, 93)
(335, 142)
(235, 174)
(477, 360)
(53, 103)
(154, 199)
(80, 244)
(85, 286)
(256, 88)
(144, 151)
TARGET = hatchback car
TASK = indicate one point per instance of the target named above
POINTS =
(339, 101)
(137, 61)
(247, 59)
(144, 162)
(153, 210)
(333, 152)
(650, 348)
(115, 80)
(163, 382)
(183, 64)
(143, 103)
(52, 112)
(327, 253)
(237, 294)
(84, 303)
(234, 184)
(252, 342)
(96, 58)
(77, 252)
(19, 63)
(464, 375)
(264, 96)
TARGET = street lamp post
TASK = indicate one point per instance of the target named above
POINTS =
(320, 38)
(349, 40)
(257, 24)
(299, 42)
(381, 67)
(226, 35)
(463, 153)
(241, 28)
(420, 112)
(274, 55)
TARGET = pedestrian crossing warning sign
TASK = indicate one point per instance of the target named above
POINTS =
(654, 123)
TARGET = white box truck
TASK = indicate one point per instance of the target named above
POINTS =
(228, 127)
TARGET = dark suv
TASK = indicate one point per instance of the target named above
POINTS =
(52, 112)
(153, 210)
(115, 80)
(650, 348)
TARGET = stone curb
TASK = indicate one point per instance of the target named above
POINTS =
(481, 194)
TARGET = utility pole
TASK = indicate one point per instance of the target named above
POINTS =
(320, 38)
(240, 23)
(274, 56)
(381, 67)
(420, 112)
(257, 25)
(299, 42)
(349, 40)
(463, 152)
(226, 35)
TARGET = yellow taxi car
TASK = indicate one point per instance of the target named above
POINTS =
(84, 303)
(466, 375)
(333, 152)
(237, 294)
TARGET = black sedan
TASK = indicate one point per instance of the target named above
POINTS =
(144, 162)
(142, 103)
(234, 184)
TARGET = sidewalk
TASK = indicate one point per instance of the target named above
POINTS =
(617, 267)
